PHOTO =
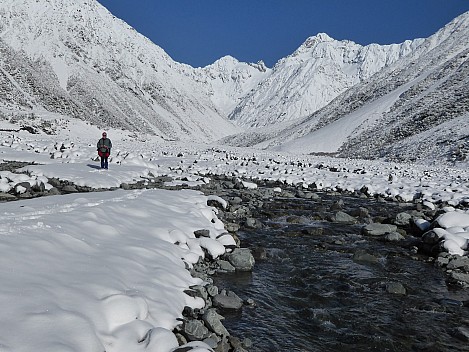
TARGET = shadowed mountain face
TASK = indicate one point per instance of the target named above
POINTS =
(403, 101)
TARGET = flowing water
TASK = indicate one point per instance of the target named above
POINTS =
(310, 294)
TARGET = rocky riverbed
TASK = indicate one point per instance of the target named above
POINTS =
(245, 207)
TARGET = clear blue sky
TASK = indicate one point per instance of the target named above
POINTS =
(198, 32)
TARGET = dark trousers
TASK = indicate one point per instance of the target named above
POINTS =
(104, 156)
(104, 163)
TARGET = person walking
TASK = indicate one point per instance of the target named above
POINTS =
(104, 150)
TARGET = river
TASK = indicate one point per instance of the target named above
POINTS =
(312, 293)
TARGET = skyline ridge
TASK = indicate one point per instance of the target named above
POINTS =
(199, 34)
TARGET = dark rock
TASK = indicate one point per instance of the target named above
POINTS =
(459, 263)
(363, 257)
(360, 212)
(403, 219)
(461, 333)
(7, 196)
(195, 330)
(337, 205)
(53, 192)
(393, 237)
(223, 345)
(396, 288)
(253, 223)
(377, 229)
(212, 341)
(242, 259)
(202, 233)
(313, 231)
(69, 189)
(430, 237)
(459, 278)
(342, 218)
(225, 266)
(232, 227)
(213, 321)
(227, 300)
(54, 182)
(39, 187)
(22, 187)
(25, 195)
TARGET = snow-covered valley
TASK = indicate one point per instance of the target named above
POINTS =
(107, 270)
(89, 255)
(75, 59)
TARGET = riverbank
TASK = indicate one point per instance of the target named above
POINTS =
(241, 205)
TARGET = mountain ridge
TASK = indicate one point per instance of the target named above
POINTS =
(76, 59)
(318, 71)
(139, 87)
(426, 88)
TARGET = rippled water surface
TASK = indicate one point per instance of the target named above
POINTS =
(312, 296)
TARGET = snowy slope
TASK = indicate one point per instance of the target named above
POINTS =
(229, 80)
(110, 74)
(417, 94)
(313, 76)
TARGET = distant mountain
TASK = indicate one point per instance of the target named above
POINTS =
(416, 108)
(312, 77)
(230, 80)
(75, 58)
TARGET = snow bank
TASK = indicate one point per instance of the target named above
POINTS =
(98, 271)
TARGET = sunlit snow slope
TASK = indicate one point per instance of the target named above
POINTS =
(74, 57)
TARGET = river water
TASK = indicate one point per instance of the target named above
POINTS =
(311, 295)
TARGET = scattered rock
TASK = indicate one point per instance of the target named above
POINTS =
(227, 300)
(342, 218)
(396, 288)
(242, 259)
(377, 229)
(362, 256)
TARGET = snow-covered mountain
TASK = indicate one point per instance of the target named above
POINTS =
(230, 80)
(76, 58)
(416, 108)
(73, 58)
(317, 72)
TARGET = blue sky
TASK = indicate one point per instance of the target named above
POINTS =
(198, 32)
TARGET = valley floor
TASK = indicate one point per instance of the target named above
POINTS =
(96, 271)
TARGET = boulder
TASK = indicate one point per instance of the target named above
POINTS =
(213, 321)
(227, 300)
(396, 288)
(377, 229)
(195, 330)
(361, 256)
(242, 259)
(403, 219)
(342, 218)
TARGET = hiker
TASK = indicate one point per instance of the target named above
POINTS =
(104, 150)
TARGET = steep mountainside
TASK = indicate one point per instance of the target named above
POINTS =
(415, 108)
(230, 80)
(101, 70)
(313, 76)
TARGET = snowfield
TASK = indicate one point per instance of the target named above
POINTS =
(97, 271)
